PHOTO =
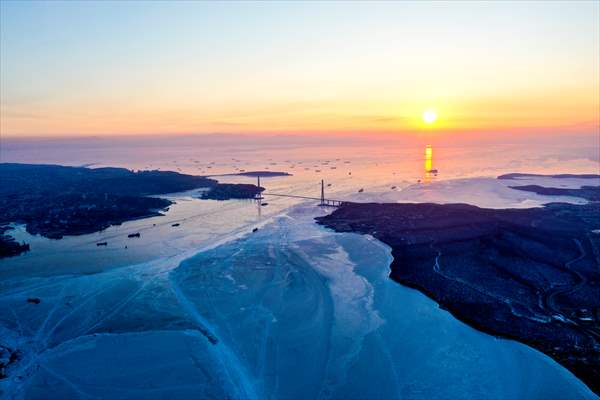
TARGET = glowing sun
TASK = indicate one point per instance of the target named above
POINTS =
(429, 116)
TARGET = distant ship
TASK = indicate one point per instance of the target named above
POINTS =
(132, 235)
(102, 244)
(361, 190)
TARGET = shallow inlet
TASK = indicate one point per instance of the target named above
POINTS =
(313, 314)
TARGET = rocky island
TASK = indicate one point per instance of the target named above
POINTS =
(54, 200)
(532, 275)
(263, 174)
(9, 246)
(228, 191)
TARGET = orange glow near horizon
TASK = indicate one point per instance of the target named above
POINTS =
(577, 113)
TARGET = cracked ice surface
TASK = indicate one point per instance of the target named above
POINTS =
(291, 311)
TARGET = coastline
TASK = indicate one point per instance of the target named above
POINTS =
(56, 201)
(414, 253)
(465, 321)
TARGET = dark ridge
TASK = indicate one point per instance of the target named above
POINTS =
(557, 176)
(40, 179)
(591, 193)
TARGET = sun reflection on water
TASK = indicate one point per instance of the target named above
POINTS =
(429, 171)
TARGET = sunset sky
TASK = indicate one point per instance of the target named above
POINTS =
(197, 67)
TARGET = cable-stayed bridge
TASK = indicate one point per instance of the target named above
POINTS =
(323, 201)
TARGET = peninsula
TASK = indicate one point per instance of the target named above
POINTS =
(532, 275)
(54, 200)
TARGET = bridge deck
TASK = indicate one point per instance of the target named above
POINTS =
(324, 202)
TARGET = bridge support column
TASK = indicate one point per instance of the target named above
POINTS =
(259, 195)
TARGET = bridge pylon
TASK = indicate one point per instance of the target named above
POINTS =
(258, 195)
